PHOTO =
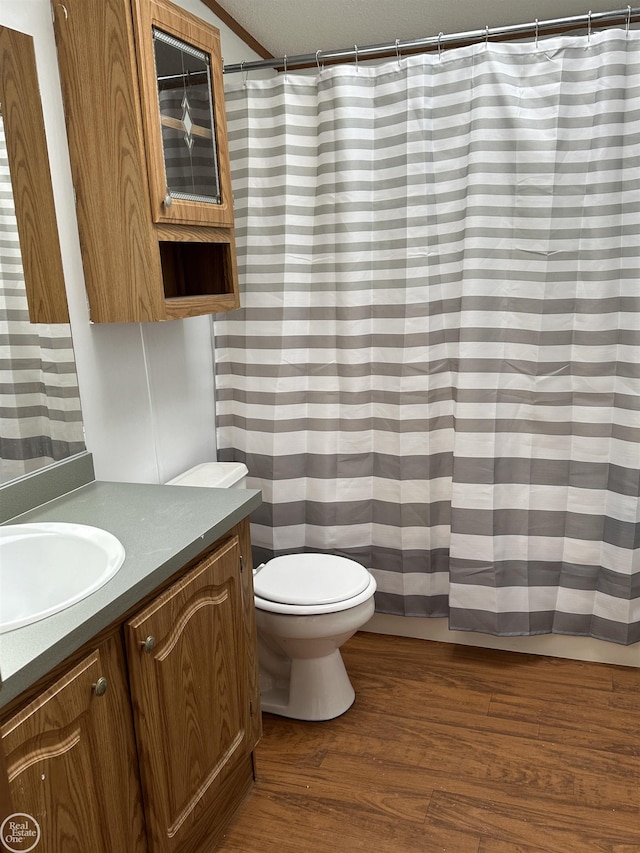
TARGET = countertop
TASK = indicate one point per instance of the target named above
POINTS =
(161, 527)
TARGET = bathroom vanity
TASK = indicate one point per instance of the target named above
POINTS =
(129, 720)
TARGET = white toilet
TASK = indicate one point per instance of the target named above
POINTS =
(307, 606)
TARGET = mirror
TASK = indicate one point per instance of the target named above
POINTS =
(40, 416)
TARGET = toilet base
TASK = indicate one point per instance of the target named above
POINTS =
(318, 689)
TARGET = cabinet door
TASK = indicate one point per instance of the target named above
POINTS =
(252, 669)
(71, 760)
(187, 666)
(183, 113)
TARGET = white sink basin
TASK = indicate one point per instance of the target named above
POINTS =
(47, 567)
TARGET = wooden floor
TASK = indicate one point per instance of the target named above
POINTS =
(457, 749)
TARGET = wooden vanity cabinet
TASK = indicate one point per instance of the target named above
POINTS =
(146, 125)
(185, 651)
(145, 742)
(71, 759)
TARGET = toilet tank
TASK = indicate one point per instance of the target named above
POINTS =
(219, 475)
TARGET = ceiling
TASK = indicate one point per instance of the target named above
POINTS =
(303, 26)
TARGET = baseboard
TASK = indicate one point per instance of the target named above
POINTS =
(552, 645)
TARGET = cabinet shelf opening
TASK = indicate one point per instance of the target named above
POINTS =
(196, 269)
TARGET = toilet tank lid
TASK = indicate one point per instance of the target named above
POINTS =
(219, 475)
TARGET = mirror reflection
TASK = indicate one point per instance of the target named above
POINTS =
(40, 416)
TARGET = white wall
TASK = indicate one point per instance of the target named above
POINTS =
(146, 389)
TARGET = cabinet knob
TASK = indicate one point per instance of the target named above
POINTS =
(149, 644)
(100, 687)
(167, 200)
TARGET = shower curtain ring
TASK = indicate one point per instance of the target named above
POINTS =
(486, 35)
(440, 46)
(398, 57)
(355, 48)
(285, 66)
(589, 29)
(318, 52)
(537, 33)
(245, 75)
(628, 18)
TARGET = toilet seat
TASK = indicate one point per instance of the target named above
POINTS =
(310, 579)
(308, 584)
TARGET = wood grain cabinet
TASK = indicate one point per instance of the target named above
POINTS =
(144, 106)
(71, 760)
(145, 742)
(185, 651)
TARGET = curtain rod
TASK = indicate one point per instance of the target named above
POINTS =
(439, 41)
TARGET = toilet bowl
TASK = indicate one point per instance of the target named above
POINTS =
(307, 606)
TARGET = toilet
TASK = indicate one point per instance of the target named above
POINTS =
(307, 606)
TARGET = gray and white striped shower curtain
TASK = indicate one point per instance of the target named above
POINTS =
(436, 369)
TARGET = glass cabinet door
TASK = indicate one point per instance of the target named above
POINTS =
(183, 116)
(183, 79)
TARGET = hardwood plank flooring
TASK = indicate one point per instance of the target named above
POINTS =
(453, 749)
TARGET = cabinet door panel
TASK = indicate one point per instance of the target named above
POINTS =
(180, 69)
(71, 761)
(252, 673)
(190, 697)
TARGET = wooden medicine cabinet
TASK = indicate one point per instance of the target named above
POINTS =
(143, 97)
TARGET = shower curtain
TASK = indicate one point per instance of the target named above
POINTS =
(40, 416)
(436, 369)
